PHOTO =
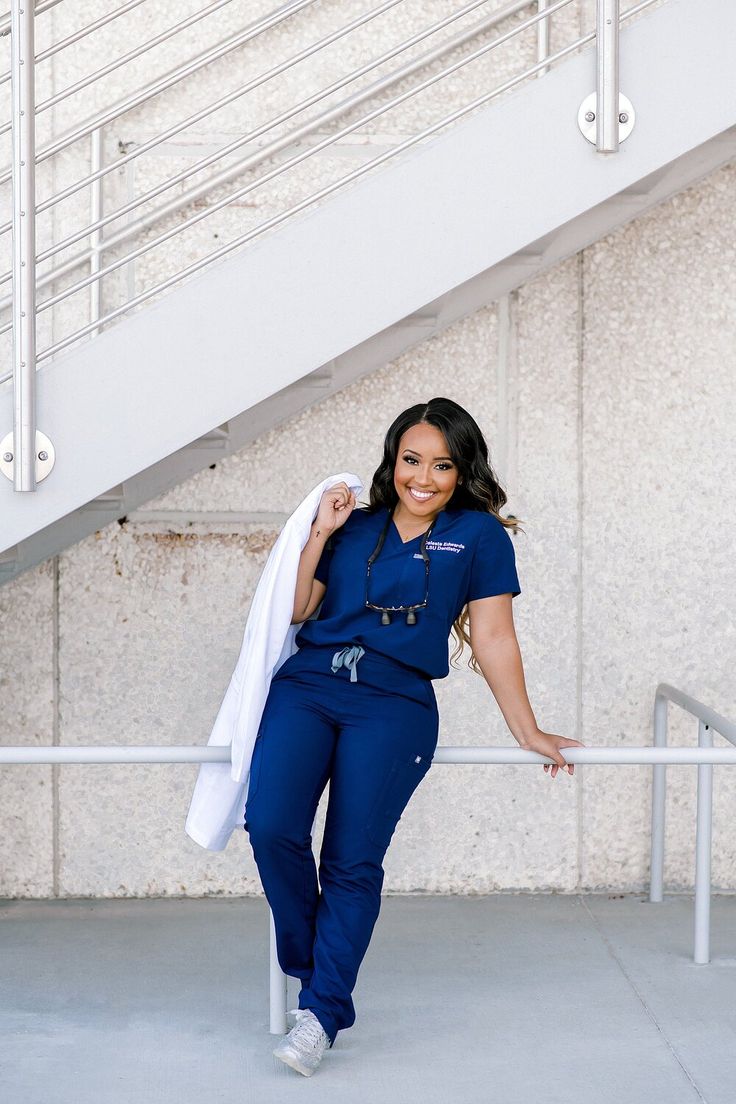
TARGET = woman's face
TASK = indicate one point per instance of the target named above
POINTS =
(424, 476)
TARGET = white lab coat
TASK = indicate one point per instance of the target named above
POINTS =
(218, 801)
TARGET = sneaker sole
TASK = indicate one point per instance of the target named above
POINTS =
(290, 1060)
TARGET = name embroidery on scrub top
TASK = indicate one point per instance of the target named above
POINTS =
(441, 546)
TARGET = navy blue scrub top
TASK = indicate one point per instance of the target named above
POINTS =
(471, 556)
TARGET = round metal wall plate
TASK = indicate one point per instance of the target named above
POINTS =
(45, 456)
(587, 124)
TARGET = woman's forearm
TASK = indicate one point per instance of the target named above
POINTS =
(308, 561)
(501, 664)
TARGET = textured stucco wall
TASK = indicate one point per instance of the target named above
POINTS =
(606, 390)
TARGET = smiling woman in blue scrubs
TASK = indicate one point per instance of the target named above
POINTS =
(355, 706)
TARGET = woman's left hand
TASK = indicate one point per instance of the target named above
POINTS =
(549, 744)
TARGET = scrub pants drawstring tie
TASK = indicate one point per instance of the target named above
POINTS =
(348, 657)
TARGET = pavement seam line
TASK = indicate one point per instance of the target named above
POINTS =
(645, 1006)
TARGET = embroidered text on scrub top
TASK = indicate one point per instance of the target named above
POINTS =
(441, 546)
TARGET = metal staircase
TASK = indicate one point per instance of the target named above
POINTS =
(150, 384)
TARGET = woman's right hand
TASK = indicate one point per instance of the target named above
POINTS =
(335, 507)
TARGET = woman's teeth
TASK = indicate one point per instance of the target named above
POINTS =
(421, 496)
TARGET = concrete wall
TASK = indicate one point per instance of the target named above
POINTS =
(605, 388)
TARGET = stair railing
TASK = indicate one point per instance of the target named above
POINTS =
(26, 455)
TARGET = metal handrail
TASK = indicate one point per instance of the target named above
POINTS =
(708, 722)
(162, 84)
(277, 219)
(631, 755)
(92, 127)
(705, 756)
(97, 272)
(132, 229)
(209, 185)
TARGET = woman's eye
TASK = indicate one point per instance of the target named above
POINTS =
(412, 460)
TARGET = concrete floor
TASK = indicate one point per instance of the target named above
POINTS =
(530, 999)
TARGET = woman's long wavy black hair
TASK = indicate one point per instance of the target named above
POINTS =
(478, 487)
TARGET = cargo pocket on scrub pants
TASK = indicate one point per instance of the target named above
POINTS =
(393, 797)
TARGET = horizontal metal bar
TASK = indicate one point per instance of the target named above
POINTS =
(136, 226)
(82, 33)
(146, 247)
(162, 84)
(446, 753)
(124, 59)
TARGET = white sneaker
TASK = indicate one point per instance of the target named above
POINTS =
(303, 1047)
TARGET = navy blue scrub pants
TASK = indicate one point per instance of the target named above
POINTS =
(369, 725)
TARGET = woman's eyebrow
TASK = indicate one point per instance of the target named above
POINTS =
(436, 457)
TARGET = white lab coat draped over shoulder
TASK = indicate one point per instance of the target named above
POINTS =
(218, 801)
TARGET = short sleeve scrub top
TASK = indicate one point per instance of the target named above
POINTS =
(471, 556)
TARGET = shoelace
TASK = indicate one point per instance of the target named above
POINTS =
(310, 1030)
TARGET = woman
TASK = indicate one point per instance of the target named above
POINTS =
(356, 706)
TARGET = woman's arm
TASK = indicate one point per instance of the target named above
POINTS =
(335, 507)
(309, 591)
(496, 648)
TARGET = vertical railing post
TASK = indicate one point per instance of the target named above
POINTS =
(659, 791)
(703, 845)
(24, 245)
(278, 982)
(95, 238)
(607, 37)
(542, 36)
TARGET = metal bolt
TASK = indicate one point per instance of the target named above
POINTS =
(43, 455)
(589, 116)
(8, 457)
(623, 117)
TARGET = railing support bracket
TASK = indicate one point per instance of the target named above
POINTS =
(588, 120)
(45, 456)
